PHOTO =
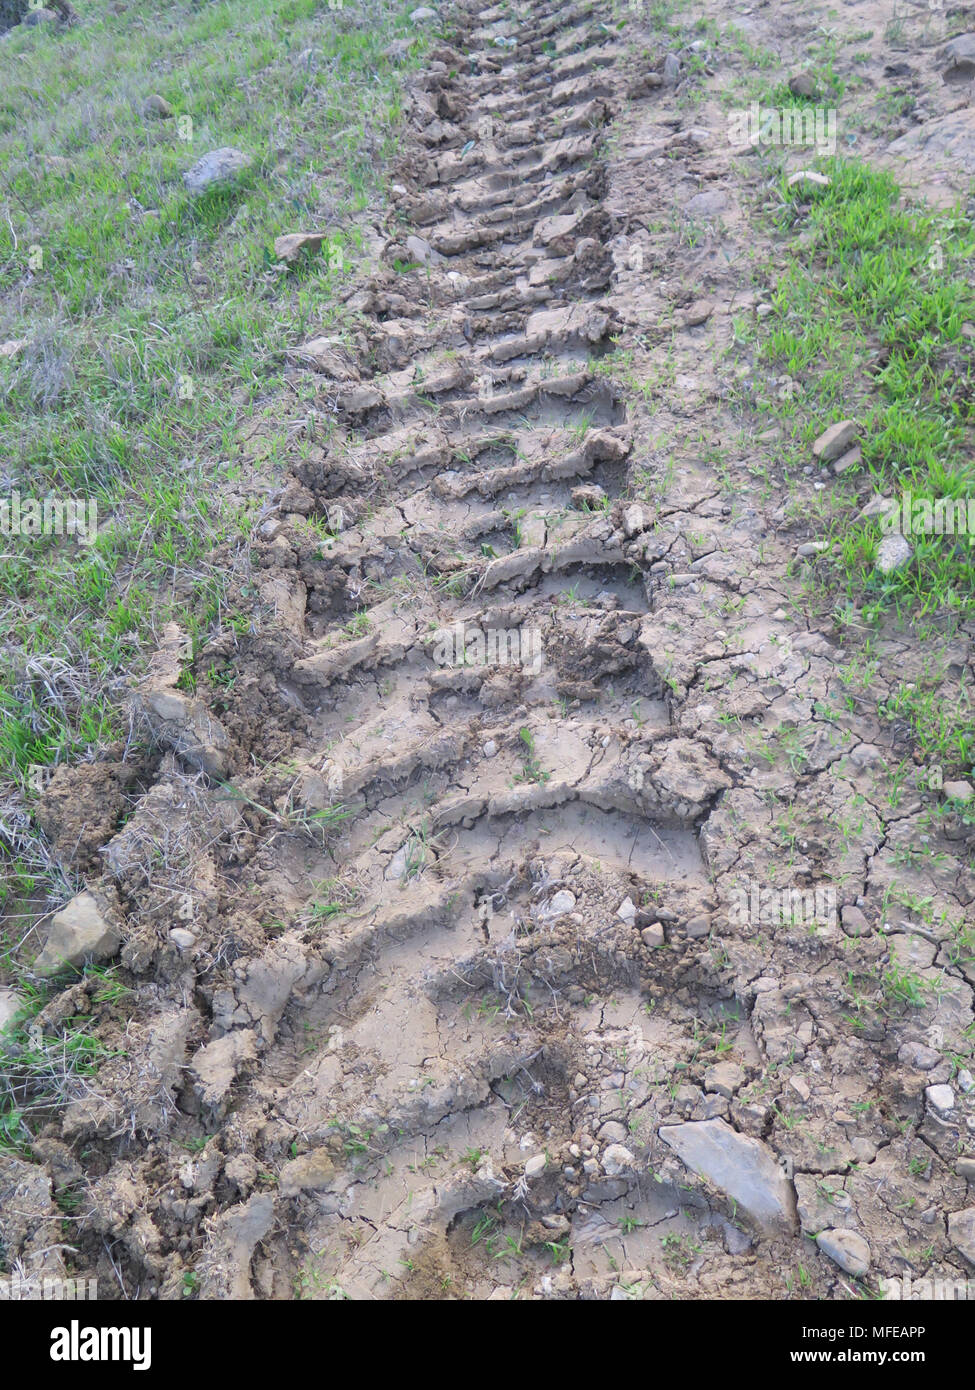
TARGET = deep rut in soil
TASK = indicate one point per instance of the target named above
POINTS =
(451, 1032)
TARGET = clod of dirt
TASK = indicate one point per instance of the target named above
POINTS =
(187, 726)
(234, 1236)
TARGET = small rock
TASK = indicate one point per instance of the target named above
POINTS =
(848, 1249)
(714, 1106)
(560, 902)
(800, 1087)
(940, 1098)
(156, 105)
(182, 938)
(36, 17)
(877, 506)
(215, 168)
(893, 552)
(849, 460)
(422, 251)
(289, 248)
(626, 911)
(698, 927)
(617, 1159)
(490, 748)
(835, 441)
(671, 70)
(918, 1057)
(78, 933)
(724, 1078)
(11, 1004)
(612, 1132)
(961, 1232)
(959, 791)
(653, 936)
(605, 1190)
(535, 1166)
(634, 520)
(965, 1167)
(802, 85)
(424, 15)
(959, 55)
(699, 312)
(853, 921)
(811, 548)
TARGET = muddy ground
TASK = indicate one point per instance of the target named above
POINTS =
(444, 974)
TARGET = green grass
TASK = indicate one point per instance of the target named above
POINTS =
(138, 290)
(41, 1071)
(868, 318)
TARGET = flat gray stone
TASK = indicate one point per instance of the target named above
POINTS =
(848, 1249)
(671, 70)
(744, 1168)
(215, 168)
